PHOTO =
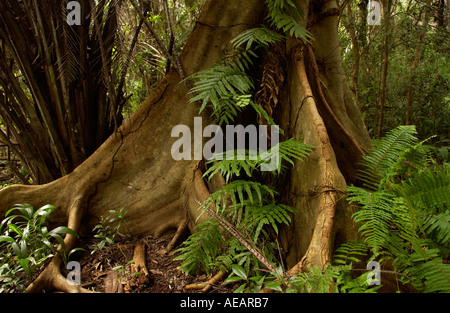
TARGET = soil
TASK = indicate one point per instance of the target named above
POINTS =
(110, 270)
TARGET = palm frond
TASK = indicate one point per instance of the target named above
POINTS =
(249, 161)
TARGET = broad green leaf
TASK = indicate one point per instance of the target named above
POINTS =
(239, 271)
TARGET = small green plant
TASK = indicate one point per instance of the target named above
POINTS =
(108, 227)
(333, 279)
(253, 284)
(26, 244)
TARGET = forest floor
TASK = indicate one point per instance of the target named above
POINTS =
(110, 270)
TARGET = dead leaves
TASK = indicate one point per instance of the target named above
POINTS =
(136, 266)
(272, 81)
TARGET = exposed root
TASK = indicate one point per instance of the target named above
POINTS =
(207, 286)
(139, 263)
(51, 278)
(312, 245)
(179, 235)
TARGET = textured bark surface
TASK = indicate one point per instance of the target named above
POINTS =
(134, 167)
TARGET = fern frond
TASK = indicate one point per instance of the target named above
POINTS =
(427, 271)
(268, 215)
(261, 112)
(428, 189)
(375, 215)
(230, 106)
(285, 15)
(249, 161)
(233, 167)
(288, 151)
(349, 252)
(238, 192)
(404, 210)
(217, 83)
(240, 58)
(315, 280)
(386, 154)
(437, 226)
(435, 275)
(201, 248)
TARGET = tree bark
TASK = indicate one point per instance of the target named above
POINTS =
(134, 167)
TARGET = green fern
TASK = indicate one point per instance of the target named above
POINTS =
(220, 83)
(238, 192)
(404, 209)
(200, 250)
(262, 36)
(348, 252)
(429, 188)
(247, 210)
(250, 161)
(375, 215)
(268, 215)
(434, 276)
(285, 15)
(386, 155)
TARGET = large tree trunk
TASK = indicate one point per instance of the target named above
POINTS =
(134, 167)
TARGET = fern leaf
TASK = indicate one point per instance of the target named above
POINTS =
(428, 189)
(438, 227)
(375, 215)
(238, 192)
(436, 276)
(217, 83)
(385, 155)
(201, 248)
(429, 273)
(261, 36)
(285, 15)
(349, 252)
(271, 215)
(289, 150)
